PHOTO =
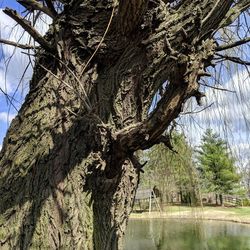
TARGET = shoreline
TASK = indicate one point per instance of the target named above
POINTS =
(215, 214)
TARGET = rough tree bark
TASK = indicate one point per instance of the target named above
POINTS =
(68, 173)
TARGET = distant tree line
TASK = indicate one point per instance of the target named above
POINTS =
(187, 173)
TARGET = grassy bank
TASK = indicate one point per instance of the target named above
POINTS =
(235, 214)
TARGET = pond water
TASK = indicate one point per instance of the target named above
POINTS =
(182, 234)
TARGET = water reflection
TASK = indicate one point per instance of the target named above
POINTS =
(165, 234)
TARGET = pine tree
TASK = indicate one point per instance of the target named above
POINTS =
(217, 167)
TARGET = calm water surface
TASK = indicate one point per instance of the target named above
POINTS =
(166, 234)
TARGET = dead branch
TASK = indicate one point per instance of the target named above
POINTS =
(21, 46)
(232, 45)
(217, 88)
(27, 27)
(166, 140)
(233, 59)
(136, 163)
(35, 5)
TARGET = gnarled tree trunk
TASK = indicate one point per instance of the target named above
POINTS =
(68, 173)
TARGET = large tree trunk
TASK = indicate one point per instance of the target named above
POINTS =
(56, 161)
(52, 170)
(68, 172)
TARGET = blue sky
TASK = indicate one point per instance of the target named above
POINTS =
(12, 65)
(3, 104)
(10, 3)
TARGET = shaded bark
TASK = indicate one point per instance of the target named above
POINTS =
(68, 173)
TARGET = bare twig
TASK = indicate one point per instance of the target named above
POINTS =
(76, 78)
(100, 43)
(217, 88)
(9, 98)
(21, 46)
(27, 27)
(233, 59)
(232, 45)
(197, 111)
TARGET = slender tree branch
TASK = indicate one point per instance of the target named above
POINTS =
(51, 7)
(217, 88)
(35, 5)
(22, 46)
(232, 45)
(27, 27)
(234, 59)
(197, 111)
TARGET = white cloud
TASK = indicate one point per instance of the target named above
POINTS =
(5, 117)
(229, 115)
(13, 64)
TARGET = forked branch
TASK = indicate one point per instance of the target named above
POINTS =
(28, 27)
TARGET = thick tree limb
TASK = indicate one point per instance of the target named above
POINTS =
(146, 134)
(35, 5)
(130, 13)
(21, 46)
(216, 15)
(234, 12)
(27, 27)
(232, 45)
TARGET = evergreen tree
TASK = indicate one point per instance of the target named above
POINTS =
(216, 165)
